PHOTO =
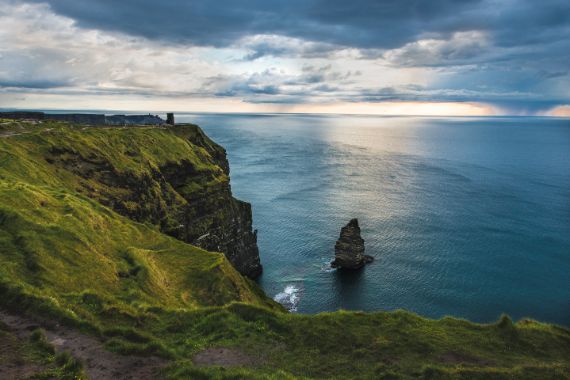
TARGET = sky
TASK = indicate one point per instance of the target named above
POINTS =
(437, 57)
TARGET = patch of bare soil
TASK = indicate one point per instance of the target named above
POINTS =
(225, 357)
(12, 364)
(99, 363)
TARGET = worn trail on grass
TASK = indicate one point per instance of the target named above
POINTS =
(99, 363)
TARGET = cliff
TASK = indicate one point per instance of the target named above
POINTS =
(84, 255)
(175, 178)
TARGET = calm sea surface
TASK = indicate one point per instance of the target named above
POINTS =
(465, 216)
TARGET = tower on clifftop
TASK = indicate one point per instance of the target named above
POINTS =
(170, 118)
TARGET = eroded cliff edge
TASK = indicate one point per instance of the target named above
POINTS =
(174, 177)
(210, 218)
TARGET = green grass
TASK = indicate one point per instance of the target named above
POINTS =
(69, 245)
(67, 257)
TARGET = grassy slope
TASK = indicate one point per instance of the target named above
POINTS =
(91, 160)
(62, 243)
(65, 257)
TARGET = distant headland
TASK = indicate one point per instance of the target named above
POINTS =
(90, 118)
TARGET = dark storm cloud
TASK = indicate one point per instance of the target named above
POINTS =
(363, 24)
(291, 48)
(531, 22)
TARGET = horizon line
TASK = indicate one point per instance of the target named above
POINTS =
(144, 112)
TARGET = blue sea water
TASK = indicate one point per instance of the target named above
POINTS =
(467, 217)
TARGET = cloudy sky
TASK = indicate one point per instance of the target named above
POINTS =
(346, 56)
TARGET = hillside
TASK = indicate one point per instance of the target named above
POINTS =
(175, 179)
(98, 233)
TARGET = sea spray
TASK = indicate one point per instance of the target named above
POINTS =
(289, 297)
(326, 266)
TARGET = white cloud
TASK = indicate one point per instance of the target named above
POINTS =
(39, 46)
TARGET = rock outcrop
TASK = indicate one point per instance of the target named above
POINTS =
(349, 248)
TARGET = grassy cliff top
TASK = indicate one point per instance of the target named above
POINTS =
(66, 257)
(27, 149)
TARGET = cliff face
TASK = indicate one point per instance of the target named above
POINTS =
(209, 218)
(175, 178)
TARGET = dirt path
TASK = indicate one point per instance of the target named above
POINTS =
(99, 363)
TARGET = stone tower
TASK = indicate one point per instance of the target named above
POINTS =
(170, 118)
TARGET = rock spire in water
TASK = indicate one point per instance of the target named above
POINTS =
(349, 248)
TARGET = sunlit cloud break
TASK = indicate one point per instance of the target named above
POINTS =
(478, 57)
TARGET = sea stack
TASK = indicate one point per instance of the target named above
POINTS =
(349, 248)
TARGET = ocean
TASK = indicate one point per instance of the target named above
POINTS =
(468, 217)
